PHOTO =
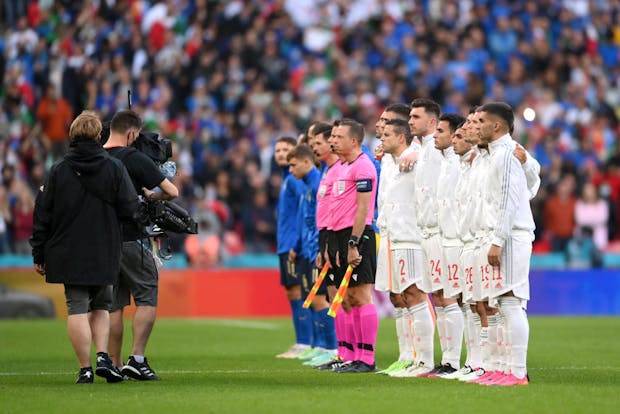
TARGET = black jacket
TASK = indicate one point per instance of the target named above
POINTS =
(76, 217)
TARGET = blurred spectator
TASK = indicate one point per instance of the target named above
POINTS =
(55, 116)
(5, 222)
(560, 214)
(581, 250)
(259, 224)
(10, 183)
(225, 79)
(203, 249)
(592, 212)
(23, 220)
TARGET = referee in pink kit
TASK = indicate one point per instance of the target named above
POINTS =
(352, 208)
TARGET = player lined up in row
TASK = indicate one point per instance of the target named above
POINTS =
(454, 221)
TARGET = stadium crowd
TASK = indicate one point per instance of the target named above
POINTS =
(225, 80)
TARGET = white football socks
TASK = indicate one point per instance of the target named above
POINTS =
(518, 331)
(501, 343)
(454, 335)
(466, 335)
(493, 351)
(440, 315)
(476, 327)
(423, 333)
(405, 346)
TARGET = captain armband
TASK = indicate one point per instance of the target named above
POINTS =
(364, 186)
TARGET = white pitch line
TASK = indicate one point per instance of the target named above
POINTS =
(206, 371)
(263, 371)
(235, 323)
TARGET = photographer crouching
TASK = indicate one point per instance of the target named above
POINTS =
(77, 238)
(138, 272)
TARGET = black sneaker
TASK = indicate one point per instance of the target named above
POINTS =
(357, 367)
(433, 372)
(85, 376)
(106, 369)
(331, 365)
(444, 369)
(142, 372)
(345, 366)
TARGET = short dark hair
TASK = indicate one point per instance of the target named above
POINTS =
(430, 107)
(301, 151)
(356, 130)
(401, 127)
(289, 140)
(315, 126)
(401, 109)
(323, 128)
(454, 120)
(501, 110)
(123, 121)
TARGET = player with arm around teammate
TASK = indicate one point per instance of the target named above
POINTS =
(450, 321)
(402, 276)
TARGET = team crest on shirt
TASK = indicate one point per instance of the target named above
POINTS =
(322, 190)
(354, 276)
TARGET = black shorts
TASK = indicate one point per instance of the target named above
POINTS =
(83, 299)
(286, 278)
(336, 272)
(139, 276)
(365, 272)
(323, 239)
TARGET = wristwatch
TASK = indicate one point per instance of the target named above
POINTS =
(354, 241)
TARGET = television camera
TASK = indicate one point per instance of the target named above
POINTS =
(159, 216)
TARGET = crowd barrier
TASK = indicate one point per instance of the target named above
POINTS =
(232, 293)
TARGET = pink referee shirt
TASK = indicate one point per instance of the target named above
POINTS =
(323, 196)
(358, 176)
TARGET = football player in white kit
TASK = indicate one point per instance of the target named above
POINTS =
(450, 321)
(402, 275)
(467, 152)
(383, 282)
(510, 247)
(423, 118)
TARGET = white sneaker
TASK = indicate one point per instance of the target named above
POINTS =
(475, 374)
(294, 351)
(412, 371)
(458, 374)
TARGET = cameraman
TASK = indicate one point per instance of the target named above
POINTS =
(138, 275)
(77, 238)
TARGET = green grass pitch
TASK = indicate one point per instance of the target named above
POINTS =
(228, 366)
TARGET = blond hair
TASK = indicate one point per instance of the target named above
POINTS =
(86, 125)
